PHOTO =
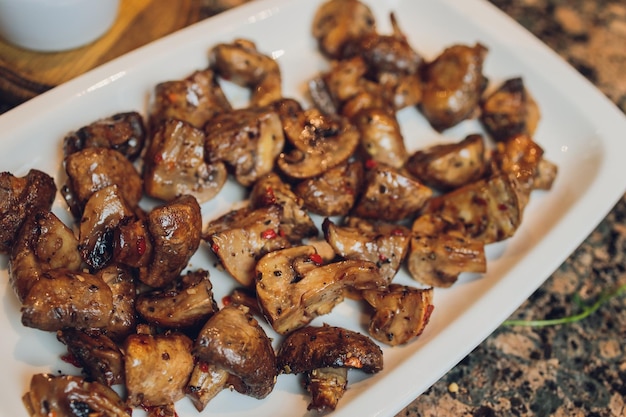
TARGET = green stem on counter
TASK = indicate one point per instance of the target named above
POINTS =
(587, 310)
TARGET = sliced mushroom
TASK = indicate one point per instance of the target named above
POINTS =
(121, 281)
(238, 353)
(93, 169)
(295, 222)
(390, 195)
(450, 165)
(381, 138)
(99, 356)
(43, 243)
(293, 287)
(103, 212)
(384, 244)
(401, 313)
(67, 299)
(248, 140)
(186, 303)
(175, 229)
(440, 251)
(240, 237)
(72, 396)
(334, 192)
(124, 132)
(175, 164)
(195, 100)
(316, 351)
(509, 111)
(157, 368)
(522, 157)
(241, 63)
(490, 209)
(336, 22)
(19, 197)
(319, 142)
(453, 85)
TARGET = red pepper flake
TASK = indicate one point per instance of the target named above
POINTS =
(429, 310)
(269, 234)
(382, 257)
(141, 245)
(281, 233)
(270, 197)
(204, 366)
(370, 163)
(72, 360)
(316, 258)
(502, 207)
(215, 247)
(397, 232)
(227, 300)
(158, 158)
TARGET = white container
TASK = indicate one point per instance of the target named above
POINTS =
(55, 25)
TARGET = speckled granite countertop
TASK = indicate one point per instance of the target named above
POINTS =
(578, 369)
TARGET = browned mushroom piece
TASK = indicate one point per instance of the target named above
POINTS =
(336, 22)
(157, 368)
(234, 351)
(132, 242)
(43, 243)
(450, 165)
(441, 250)
(324, 354)
(295, 222)
(489, 209)
(523, 158)
(66, 395)
(509, 111)
(99, 356)
(247, 140)
(104, 211)
(244, 296)
(391, 62)
(62, 299)
(381, 138)
(92, 169)
(194, 99)
(385, 244)
(389, 194)
(175, 229)
(19, 197)
(240, 237)
(453, 85)
(241, 63)
(175, 164)
(334, 192)
(401, 313)
(124, 132)
(293, 287)
(318, 142)
(121, 281)
(186, 303)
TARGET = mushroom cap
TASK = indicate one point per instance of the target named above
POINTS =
(313, 347)
(233, 339)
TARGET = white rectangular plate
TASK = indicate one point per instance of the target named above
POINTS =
(580, 130)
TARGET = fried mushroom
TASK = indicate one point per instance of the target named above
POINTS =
(71, 396)
(440, 251)
(401, 313)
(19, 197)
(453, 85)
(233, 351)
(175, 164)
(293, 287)
(324, 354)
(125, 132)
(385, 244)
(157, 368)
(381, 138)
(450, 165)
